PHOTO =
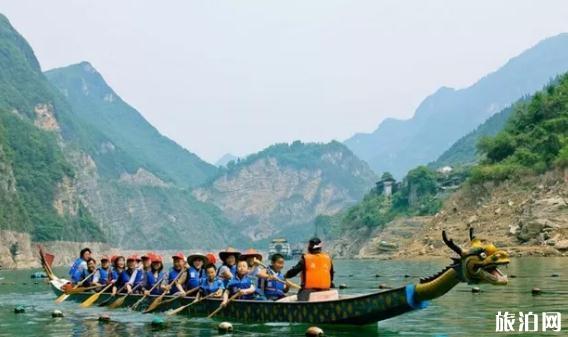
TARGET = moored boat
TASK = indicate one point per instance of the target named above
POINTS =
(476, 265)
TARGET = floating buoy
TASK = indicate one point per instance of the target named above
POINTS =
(554, 275)
(19, 309)
(350, 275)
(383, 286)
(104, 318)
(475, 290)
(158, 322)
(512, 276)
(406, 276)
(536, 291)
(57, 314)
(377, 275)
(343, 286)
(314, 331)
(38, 274)
(225, 327)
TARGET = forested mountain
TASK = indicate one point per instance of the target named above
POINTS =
(280, 190)
(442, 118)
(67, 172)
(100, 108)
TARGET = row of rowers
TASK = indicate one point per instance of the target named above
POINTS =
(242, 273)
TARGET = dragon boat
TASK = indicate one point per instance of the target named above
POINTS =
(478, 264)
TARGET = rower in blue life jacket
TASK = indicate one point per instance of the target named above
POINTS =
(103, 275)
(87, 275)
(177, 268)
(241, 283)
(79, 265)
(228, 269)
(132, 276)
(211, 284)
(195, 271)
(273, 286)
(155, 275)
(145, 266)
(118, 268)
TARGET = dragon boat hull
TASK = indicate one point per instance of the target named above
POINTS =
(357, 310)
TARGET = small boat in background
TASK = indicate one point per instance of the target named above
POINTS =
(280, 246)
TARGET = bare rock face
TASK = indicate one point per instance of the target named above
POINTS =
(16, 250)
(66, 201)
(266, 197)
(142, 177)
(45, 118)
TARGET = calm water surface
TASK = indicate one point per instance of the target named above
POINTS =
(459, 313)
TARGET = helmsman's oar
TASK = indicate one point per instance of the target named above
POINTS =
(135, 305)
(158, 299)
(66, 294)
(93, 298)
(121, 300)
(232, 298)
(183, 307)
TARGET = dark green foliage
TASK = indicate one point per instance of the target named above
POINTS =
(533, 140)
(418, 195)
(31, 155)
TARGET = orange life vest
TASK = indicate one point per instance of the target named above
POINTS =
(317, 270)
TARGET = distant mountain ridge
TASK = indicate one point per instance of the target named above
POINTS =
(225, 159)
(442, 118)
(281, 189)
(99, 106)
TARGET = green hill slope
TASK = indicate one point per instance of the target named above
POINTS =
(95, 103)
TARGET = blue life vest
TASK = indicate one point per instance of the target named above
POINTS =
(76, 269)
(272, 289)
(105, 275)
(194, 277)
(211, 287)
(237, 284)
(151, 280)
(88, 280)
(232, 269)
(172, 275)
(127, 275)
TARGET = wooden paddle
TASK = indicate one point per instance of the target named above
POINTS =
(158, 299)
(183, 307)
(93, 298)
(221, 306)
(180, 295)
(286, 281)
(102, 304)
(121, 300)
(66, 294)
(135, 305)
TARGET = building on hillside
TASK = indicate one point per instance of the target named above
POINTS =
(386, 186)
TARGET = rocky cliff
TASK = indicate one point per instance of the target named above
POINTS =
(280, 190)
(526, 217)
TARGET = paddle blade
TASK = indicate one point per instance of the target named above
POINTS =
(177, 311)
(118, 302)
(153, 305)
(89, 301)
(61, 298)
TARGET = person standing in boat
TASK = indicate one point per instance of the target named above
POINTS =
(178, 265)
(316, 268)
(211, 284)
(132, 276)
(241, 283)
(273, 286)
(79, 265)
(229, 268)
(155, 275)
(195, 271)
(103, 275)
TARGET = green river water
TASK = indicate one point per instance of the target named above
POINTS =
(459, 313)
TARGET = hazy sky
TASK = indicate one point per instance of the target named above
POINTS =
(238, 75)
